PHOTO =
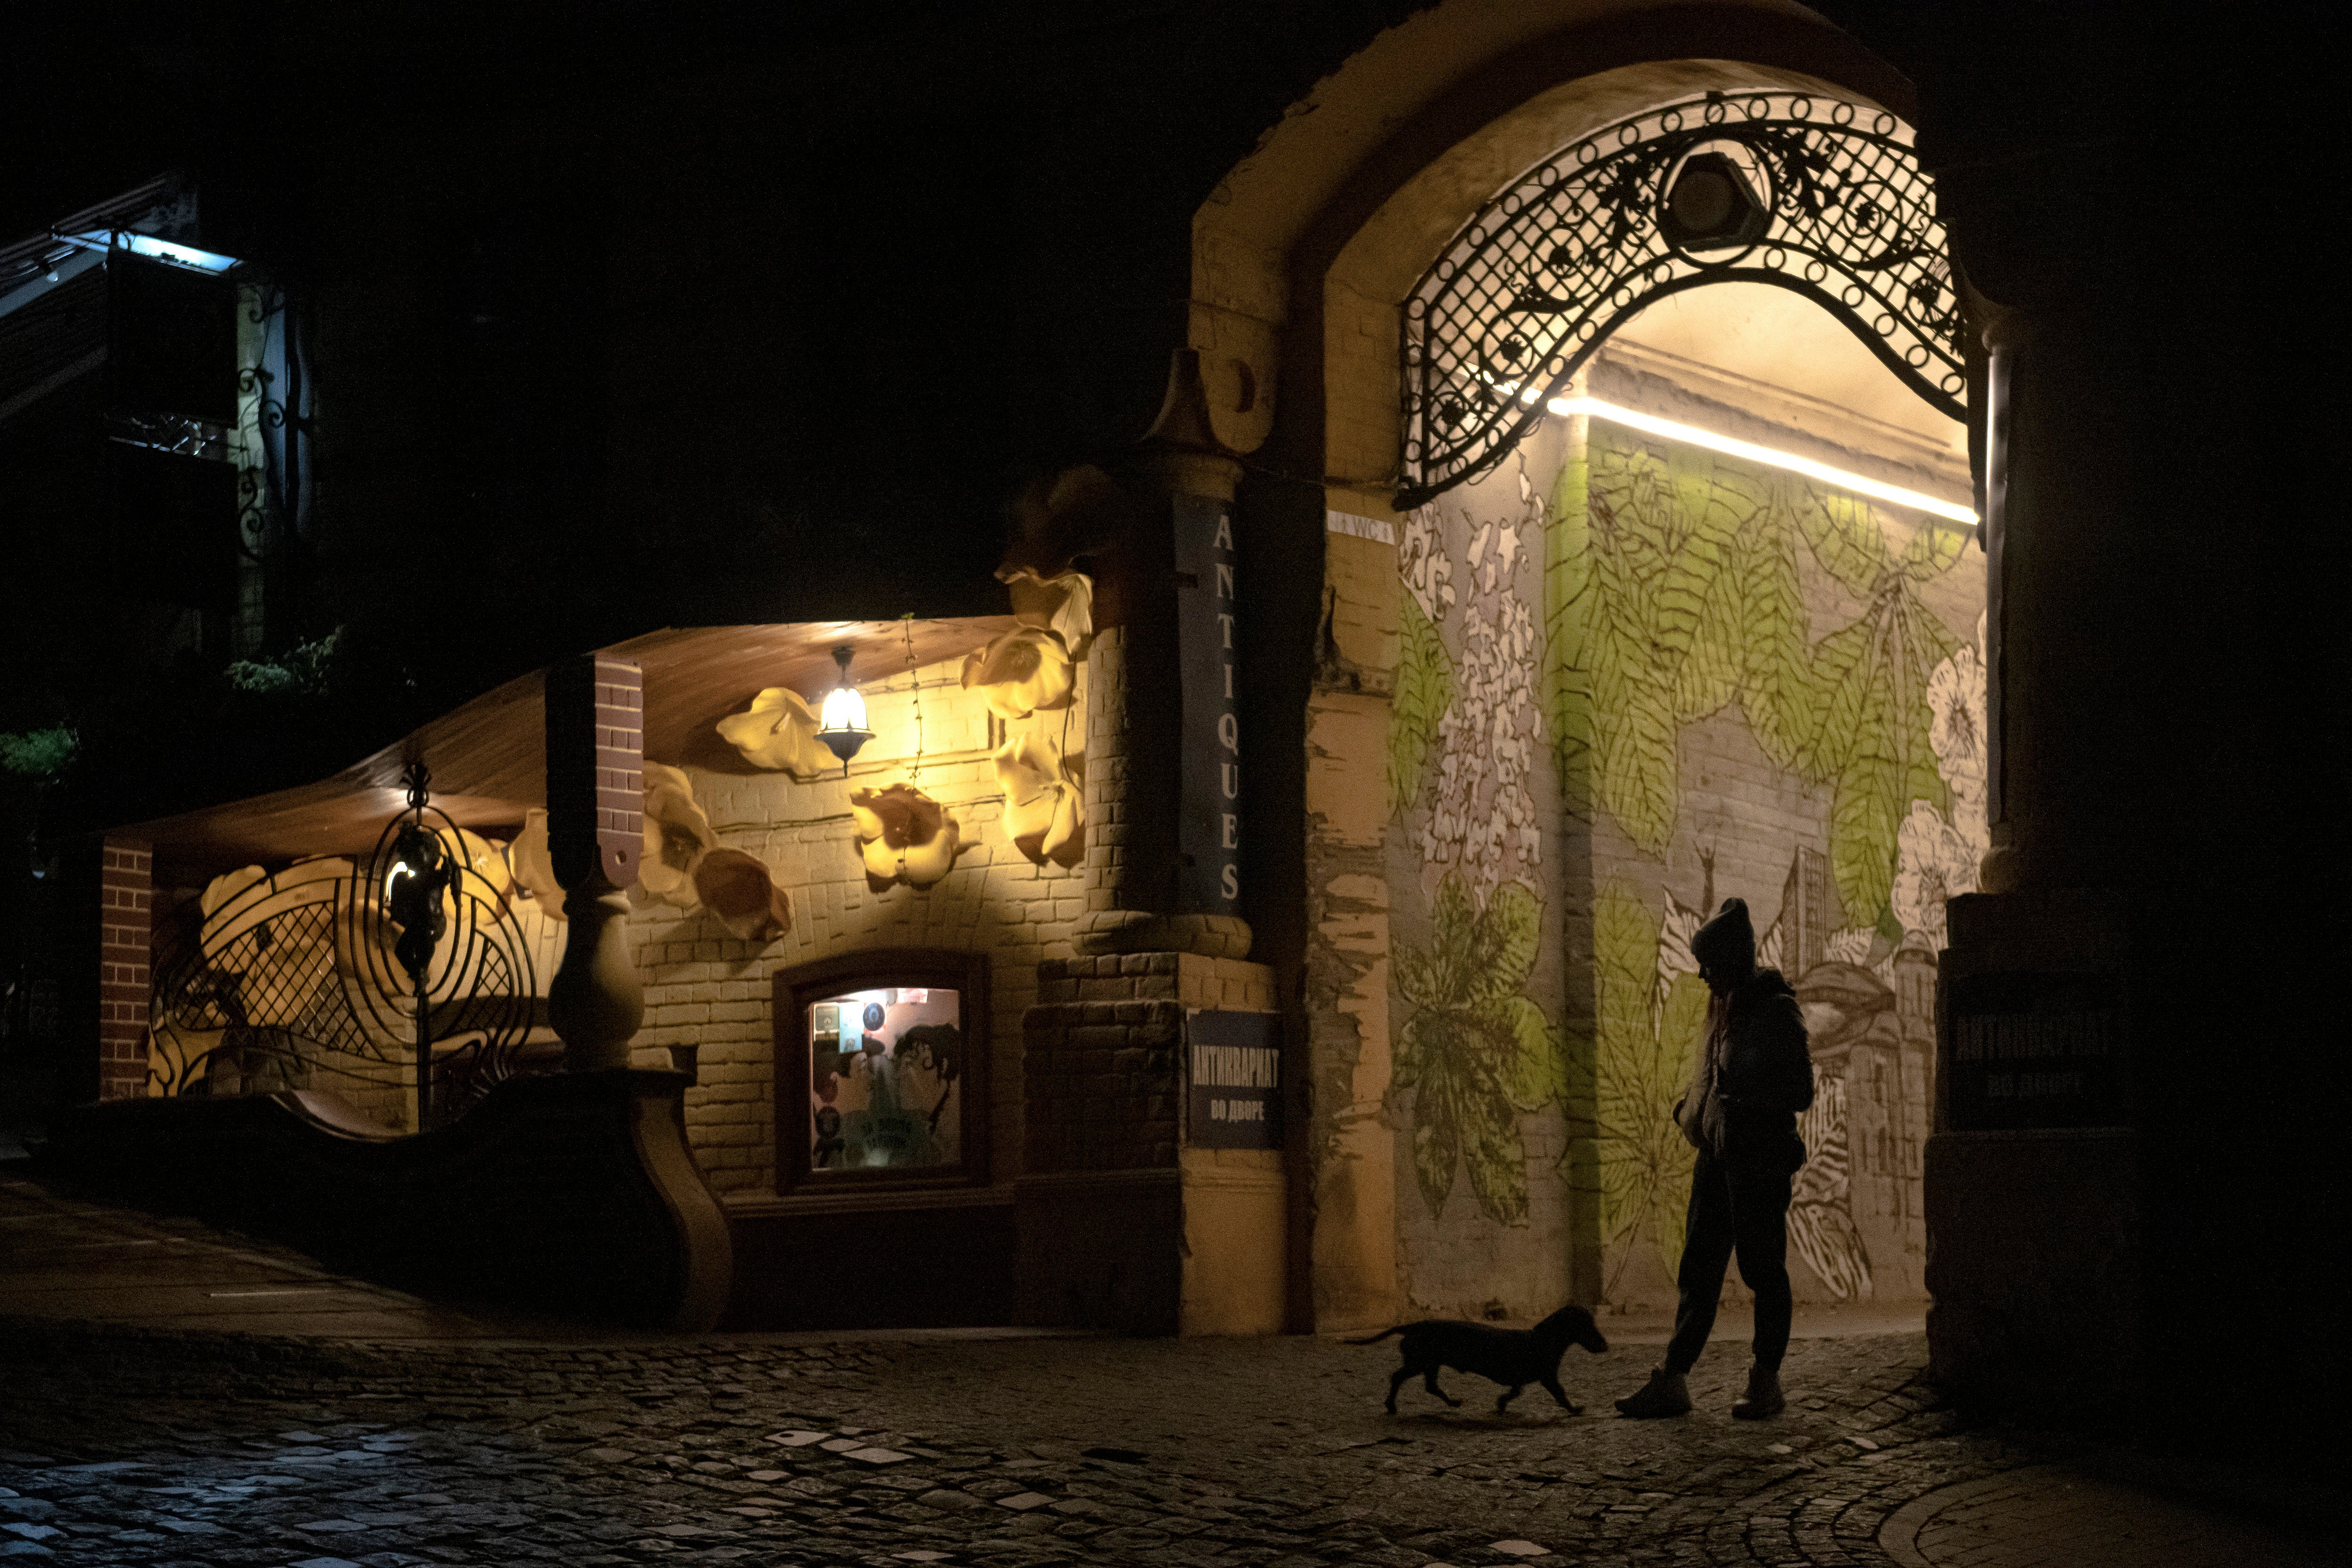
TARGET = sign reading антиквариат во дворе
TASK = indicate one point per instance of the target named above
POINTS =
(1232, 1073)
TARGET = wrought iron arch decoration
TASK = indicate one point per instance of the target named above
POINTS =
(1572, 249)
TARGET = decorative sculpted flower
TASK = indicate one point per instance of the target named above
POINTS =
(678, 835)
(1026, 670)
(1063, 603)
(779, 731)
(738, 892)
(903, 836)
(534, 872)
(1045, 806)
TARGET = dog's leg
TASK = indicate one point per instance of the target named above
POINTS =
(1509, 1394)
(1402, 1374)
(1552, 1387)
(1429, 1382)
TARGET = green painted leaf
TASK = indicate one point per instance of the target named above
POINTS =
(1412, 1052)
(1701, 531)
(1708, 675)
(1475, 1048)
(1638, 778)
(1681, 1022)
(1567, 607)
(1844, 668)
(1424, 689)
(1537, 1076)
(1643, 1064)
(1436, 1149)
(1933, 551)
(1498, 1164)
(1779, 694)
(1863, 817)
(1844, 537)
(1512, 930)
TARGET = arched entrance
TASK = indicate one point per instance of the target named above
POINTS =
(1463, 833)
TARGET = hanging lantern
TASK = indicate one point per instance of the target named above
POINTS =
(841, 722)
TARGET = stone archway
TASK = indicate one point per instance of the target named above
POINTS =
(1300, 315)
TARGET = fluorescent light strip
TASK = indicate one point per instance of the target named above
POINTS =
(1674, 431)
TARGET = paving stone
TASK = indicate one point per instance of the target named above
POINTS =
(140, 1447)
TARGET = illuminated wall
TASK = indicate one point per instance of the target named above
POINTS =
(1636, 678)
(707, 988)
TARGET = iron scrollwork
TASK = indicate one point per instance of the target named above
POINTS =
(273, 426)
(352, 974)
(1569, 252)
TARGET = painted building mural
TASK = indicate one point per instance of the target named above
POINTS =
(1635, 679)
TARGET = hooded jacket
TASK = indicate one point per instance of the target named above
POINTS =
(1753, 1074)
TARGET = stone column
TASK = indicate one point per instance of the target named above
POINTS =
(2123, 1042)
(595, 831)
(1123, 1224)
(1134, 698)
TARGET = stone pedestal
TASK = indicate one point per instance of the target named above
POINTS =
(595, 831)
(1121, 1225)
(2036, 1230)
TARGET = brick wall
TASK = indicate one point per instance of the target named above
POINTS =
(707, 989)
(1102, 1062)
(1101, 1054)
(125, 920)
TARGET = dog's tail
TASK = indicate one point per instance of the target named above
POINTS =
(1376, 1339)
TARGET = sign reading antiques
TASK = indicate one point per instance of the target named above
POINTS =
(1232, 1073)
(2037, 1050)
(1208, 824)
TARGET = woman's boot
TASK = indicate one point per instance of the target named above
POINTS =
(1664, 1394)
(1763, 1396)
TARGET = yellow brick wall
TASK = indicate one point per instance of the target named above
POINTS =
(705, 988)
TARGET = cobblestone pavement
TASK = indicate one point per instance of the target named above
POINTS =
(124, 1445)
(172, 1396)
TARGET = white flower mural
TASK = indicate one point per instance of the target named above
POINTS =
(1422, 560)
(1937, 856)
(1483, 818)
(1934, 861)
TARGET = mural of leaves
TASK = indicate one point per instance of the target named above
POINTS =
(1644, 1049)
(1476, 1049)
(1872, 740)
(1424, 688)
(1663, 614)
(1778, 695)
(1845, 539)
(1686, 597)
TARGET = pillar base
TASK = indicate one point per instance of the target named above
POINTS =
(2033, 1187)
(1138, 931)
(1122, 1223)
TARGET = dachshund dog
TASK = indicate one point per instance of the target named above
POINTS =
(1515, 1357)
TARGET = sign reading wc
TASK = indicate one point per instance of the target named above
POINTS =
(1209, 822)
(1233, 1071)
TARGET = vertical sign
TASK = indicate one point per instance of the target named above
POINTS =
(1208, 828)
(1233, 1071)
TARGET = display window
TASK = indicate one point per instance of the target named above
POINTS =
(880, 1066)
